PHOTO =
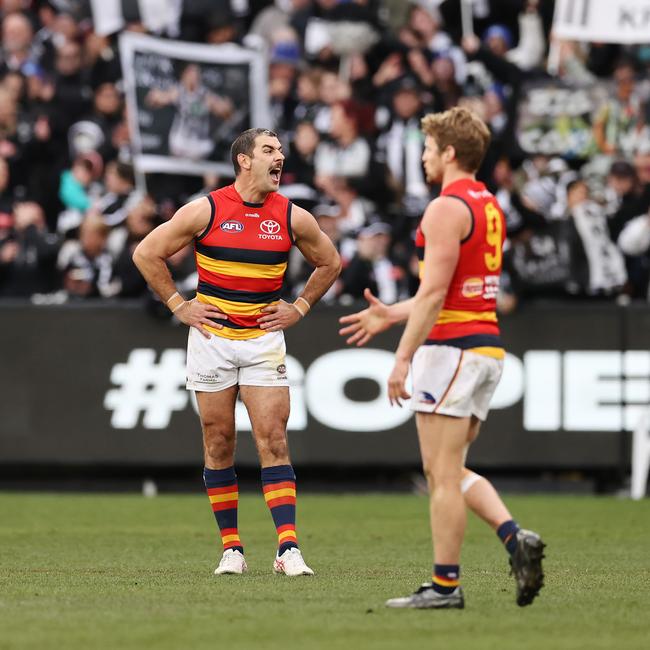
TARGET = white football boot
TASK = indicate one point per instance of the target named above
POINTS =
(291, 563)
(232, 561)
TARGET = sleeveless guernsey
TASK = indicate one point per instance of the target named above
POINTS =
(241, 258)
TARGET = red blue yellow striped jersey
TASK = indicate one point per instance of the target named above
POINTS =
(468, 316)
(241, 258)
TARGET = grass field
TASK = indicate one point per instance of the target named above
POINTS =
(123, 572)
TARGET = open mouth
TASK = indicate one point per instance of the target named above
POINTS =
(275, 174)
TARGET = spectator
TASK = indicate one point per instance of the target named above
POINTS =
(6, 194)
(598, 268)
(427, 26)
(73, 190)
(17, 41)
(619, 119)
(626, 197)
(307, 90)
(60, 98)
(127, 281)
(348, 154)
(370, 267)
(299, 163)
(28, 254)
(634, 241)
(120, 193)
(400, 147)
(95, 131)
(332, 90)
(72, 93)
(299, 270)
(86, 264)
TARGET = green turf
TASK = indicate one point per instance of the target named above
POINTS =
(123, 572)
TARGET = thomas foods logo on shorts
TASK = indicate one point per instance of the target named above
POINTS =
(270, 229)
(577, 390)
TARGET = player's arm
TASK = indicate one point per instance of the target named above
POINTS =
(318, 250)
(445, 223)
(152, 252)
(377, 317)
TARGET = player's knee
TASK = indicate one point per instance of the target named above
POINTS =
(273, 447)
(219, 442)
(427, 469)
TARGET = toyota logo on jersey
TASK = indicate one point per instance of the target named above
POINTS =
(270, 229)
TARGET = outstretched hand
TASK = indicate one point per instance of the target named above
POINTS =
(278, 316)
(363, 325)
(199, 314)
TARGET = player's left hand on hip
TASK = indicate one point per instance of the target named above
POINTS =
(397, 383)
(278, 317)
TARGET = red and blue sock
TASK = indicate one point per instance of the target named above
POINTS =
(279, 485)
(221, 485)
(507, 533)
(446, 577)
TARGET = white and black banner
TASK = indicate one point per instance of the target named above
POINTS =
(157, 16)
(608, 21)
(188, 102)
(557, 119)
(568, 391)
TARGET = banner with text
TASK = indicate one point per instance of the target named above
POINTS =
(607, 21)
(106, 385)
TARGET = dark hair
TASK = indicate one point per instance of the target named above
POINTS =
(245, 143)
(576, 182)
(126, 172)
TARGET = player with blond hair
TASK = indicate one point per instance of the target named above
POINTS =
(452, 343)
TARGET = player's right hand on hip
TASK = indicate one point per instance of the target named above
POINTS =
(198, 314)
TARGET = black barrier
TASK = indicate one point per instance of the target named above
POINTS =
(104, 384)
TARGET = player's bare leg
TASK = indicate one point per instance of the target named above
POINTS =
(268, 408)
(483, 500)
(217, 411)
(443, 442)
(525, 547)
(480, 496)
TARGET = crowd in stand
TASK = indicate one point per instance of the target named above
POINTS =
(349, 81)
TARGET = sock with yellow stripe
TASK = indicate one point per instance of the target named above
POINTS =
(446, 577)
(507, 533)
(279, 485)
(221, 485)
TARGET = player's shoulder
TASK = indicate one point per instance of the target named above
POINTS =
(448, 215)
(445, 206)
(196, 214)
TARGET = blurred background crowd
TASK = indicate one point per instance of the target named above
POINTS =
(349, 81)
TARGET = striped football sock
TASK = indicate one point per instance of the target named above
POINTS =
(221, 485)
(279, 485)
(507, 533)
(446, 577)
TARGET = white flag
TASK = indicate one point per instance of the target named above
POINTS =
(607, 21)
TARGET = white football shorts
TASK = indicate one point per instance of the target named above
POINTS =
(217, 363)
(451, 381)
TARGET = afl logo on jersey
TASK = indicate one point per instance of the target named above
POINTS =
(270, 229)
(232, 226)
